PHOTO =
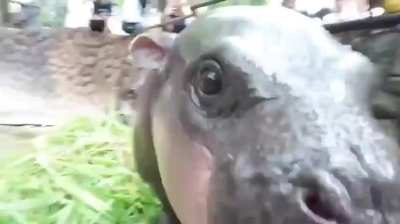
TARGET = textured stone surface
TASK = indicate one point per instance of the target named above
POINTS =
(59, 71)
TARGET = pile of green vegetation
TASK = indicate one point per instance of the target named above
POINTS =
(82, 173)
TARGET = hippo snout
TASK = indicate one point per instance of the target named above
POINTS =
(312, 196)
(300, 195)
(301, 192)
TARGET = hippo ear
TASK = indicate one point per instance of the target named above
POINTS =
(149, 53)
(149, 50)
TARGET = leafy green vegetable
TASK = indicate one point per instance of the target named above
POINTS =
(80, 174)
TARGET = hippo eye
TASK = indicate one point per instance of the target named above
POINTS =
(209, 78)
(209, 88)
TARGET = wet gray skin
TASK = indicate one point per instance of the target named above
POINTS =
(256, 115)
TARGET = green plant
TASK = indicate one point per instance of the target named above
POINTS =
(80, 174)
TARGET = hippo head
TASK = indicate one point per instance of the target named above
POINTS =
(257, 115)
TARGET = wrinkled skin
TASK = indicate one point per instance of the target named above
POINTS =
(280, 132)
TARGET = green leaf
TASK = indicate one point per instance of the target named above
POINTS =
(77, 174)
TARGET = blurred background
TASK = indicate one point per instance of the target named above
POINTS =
(55, 67)
(77, 13)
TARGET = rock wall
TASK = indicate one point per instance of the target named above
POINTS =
(67, 69)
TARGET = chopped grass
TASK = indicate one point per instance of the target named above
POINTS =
(82, 173)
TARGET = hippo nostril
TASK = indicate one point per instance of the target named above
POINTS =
(319, 210)
(324, 199)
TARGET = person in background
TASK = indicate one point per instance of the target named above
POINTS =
(314, 9)
(132, 16)
(102, 10)
(341, 10)
(174, 9)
